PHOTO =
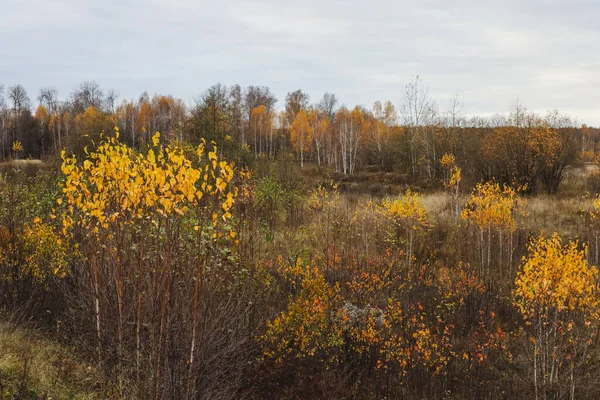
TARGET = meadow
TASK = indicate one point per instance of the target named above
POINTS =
(338, 255)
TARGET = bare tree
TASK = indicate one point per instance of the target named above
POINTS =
(328, 105)
(127, 116)
(3, 121)
(258, 96)
(294, 103)
(237, 113)
(20, 102)
(518, 113)
(417, 111)
(18, 95)
(111, 101)
(48, 97)
(385, 116)
(88, 94)
(558, 120)
(454, 114)
(496, 121)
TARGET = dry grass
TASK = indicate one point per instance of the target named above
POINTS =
(32, 367)
(20, 163)
(551, 214)
(540, 213)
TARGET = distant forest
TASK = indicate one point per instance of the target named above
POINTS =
(249, 123)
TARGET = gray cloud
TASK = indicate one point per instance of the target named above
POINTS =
(545, 52)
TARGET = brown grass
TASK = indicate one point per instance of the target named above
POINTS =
(551, 214)
(32, 367)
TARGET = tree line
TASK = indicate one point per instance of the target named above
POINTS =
(519, 147)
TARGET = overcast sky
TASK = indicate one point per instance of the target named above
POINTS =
(545, 52)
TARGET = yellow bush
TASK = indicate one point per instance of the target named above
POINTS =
(116, 185)
(46, 252)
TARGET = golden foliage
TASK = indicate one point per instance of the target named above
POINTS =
(41, 114)
(322, 198)
(556, 294)
(17, 146)
(492, 206)
(594, 210)
(406, 211)
(46, 252)
(114, 185)
(302, 134)
(555, 278)
(305, 329)
(411, 342)
(452, 172)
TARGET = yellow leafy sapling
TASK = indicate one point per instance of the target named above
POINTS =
(407, 215)
(17, 148)
(556, 294)
(492, 207)
(452, 178)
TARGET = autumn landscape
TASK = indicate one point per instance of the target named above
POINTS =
(390, 239)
